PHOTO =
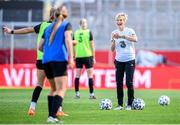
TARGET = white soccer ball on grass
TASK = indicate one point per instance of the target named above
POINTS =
(138, 104)
(105, 104)
(164, 100)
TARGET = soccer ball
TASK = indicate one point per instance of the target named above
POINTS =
(105, 104)
(164, 100)
(138, 104)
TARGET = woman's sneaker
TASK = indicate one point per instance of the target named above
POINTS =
(119, 107)
(92, 97)
(77, 95)
(61, 113)
(51, 120)
(31, 112)
(128, 107)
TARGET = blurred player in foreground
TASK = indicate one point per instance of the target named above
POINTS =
(57, 45)
(38, 29)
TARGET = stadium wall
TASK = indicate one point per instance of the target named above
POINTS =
(102, 57)
(24, 75)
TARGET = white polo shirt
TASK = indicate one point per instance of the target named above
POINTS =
(125, 49)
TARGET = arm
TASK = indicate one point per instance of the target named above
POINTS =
(93, 51)
(69, 45)
(41, 44)
(132, 38)
(74, 41)
(113, 37)
(92, 46)
(74, 44)
(112, 45)
(74, 53)
(19, 31)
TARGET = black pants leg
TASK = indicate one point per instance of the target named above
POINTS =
(129, 69)
(120, 68)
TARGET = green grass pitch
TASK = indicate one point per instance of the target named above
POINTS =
(14, 104)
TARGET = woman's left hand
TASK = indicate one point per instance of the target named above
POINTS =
(71, 63)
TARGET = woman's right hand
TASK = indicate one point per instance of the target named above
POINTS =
(7, 30)
(115, 36)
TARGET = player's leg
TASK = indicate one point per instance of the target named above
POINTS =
(76, 82)
(91, 82)
(60, 83)
(49, 74)
(130, 67)
(59, 94)
(89, 67)
(51, 102)
(59, 72)
(79, 66)
(51, 96)
(60, 110)
(36, 93)
(120, 68)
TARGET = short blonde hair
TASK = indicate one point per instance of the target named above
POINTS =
(81, 21)
(121, 14)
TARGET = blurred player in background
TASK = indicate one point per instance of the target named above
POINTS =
(84, 55)
(122, 42)
(38, 29)
(147, 58)
(57, 46)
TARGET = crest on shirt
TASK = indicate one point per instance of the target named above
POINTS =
(122, 44)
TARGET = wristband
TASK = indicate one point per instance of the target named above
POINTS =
(12, 31)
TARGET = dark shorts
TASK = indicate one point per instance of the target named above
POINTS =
(87, 61)
(39, 64)
(55, 69)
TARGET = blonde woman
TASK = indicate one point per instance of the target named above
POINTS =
(57, 47)
(39, 30)
(122, 42)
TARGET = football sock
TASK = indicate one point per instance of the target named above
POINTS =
(91, 85)
(50, 104)
(60, 107)
(36, 94)
(76, 84)
(33, 105)
(56, 104)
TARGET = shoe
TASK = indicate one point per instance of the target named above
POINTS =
(128, 107)
(31, 112)
(53, 120)
(118, 108)
(77, 96)
(61, 113)
(92, 97)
